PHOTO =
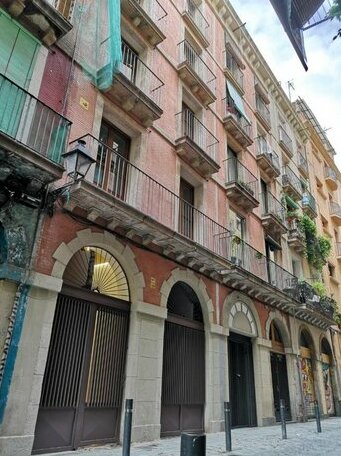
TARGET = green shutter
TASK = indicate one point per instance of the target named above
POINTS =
(18, 51)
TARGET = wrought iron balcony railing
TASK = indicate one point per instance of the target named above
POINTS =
(140, 75)
(289, 177)
(285, 139)
(192, 58)
(302, 163)
(263, 148)
(237, 173)
(308, 201)
(271, 205)
(197, 17)
(234, 69)
(229, 109)
(65, 7)
(335, 208)
(118, 177)
(191, 127)
(27, 120)
(262, 109)
(153, 8)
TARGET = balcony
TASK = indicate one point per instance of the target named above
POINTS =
(296, 236)
(262, 113)
(232, 70)
(338, 250)
(136, 89)
(267, 158)
(285, 142)
(241, 185)
(291, 184)
(273, 215)
(32, 139)
(196, 74)
(238, 128)
(196, 22)
(40, 17)
(146, 15)
(330, 178)
(302, 165)
(309, 205)
(335, 213)
(123, 198)
(196, 145)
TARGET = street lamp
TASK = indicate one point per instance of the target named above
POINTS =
(77, 162)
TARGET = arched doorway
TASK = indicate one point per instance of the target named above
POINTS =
(327, 371)
(241, 372)
(84, 375)
(183, 376)
(279, 372)
(307, 373)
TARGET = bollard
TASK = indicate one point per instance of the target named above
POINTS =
(317, 415)
(127, 427)
(228, 437)
(193, 444)
(284, 424)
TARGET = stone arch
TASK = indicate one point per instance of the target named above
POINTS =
(107, 241)
(303, 329)
(240, 314)
(280, 321)
(325, 346)
(197, 285)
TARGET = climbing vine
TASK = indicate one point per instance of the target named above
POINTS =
(318, 247)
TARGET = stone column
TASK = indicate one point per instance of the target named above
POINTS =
(17, 430)
(144, 370)
(217, 379)
(294, 382)
(263, 382)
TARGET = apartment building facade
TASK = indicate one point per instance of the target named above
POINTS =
(171, 273)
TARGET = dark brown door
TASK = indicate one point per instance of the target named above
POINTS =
(242, 387)
(183, 376)
(84, 375)
(280, 384)
(112, 161)
(186, 209)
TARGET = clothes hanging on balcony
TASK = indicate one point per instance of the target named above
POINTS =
(238, 101)
(99, 42)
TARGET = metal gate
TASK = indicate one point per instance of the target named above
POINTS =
(183, 376)
(280, 384)
(242, 386)
(84, 376)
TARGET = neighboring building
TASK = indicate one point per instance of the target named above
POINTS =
(170, 274)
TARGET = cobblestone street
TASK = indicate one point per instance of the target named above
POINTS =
(302, 440)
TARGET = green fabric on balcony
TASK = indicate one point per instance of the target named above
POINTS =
(99, 42)
(291, 203)
(238, 100)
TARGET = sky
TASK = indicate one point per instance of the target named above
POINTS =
(320, 86)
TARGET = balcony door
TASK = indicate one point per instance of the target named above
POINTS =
(188, 122)
(186, 210)
(232, 166)
(130, 59)
(264, 191)
(112, 160)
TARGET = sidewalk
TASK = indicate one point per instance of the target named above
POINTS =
(303, 440)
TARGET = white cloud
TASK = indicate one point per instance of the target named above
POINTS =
(320, 86)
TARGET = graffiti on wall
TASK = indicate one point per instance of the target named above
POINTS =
(328, 390)
(307, 383)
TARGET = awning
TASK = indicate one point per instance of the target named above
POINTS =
(238, 101)
(291, 203)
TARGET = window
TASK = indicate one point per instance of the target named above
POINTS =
(331, 270)
(236, 224)
(112, 160)
(18, 51)
(186, 209)
(276, 338)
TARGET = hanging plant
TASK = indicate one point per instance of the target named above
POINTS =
(319, 288)
(318, 247)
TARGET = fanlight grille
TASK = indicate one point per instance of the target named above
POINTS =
(97, 270)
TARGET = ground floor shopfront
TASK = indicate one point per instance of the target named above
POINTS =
(107, 320)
